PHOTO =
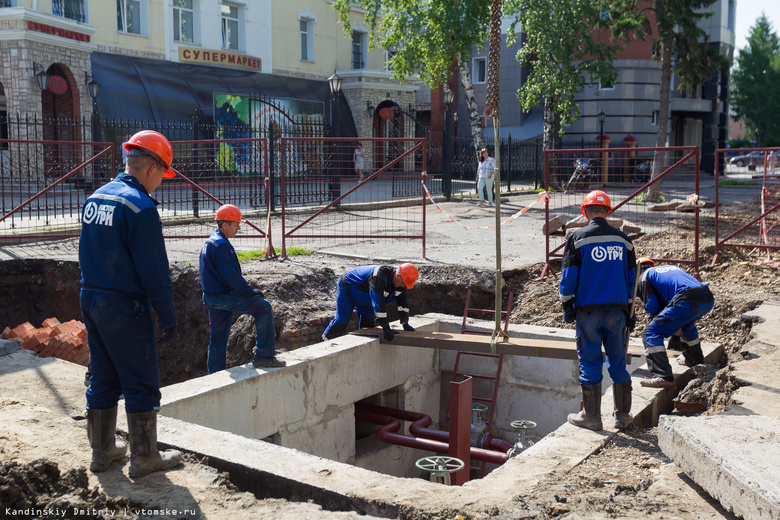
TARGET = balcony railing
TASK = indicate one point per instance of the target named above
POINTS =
(72, 9)
(6, 3)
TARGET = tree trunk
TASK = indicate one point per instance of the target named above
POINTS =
(551, 141)
(663, 119)
(475, 117)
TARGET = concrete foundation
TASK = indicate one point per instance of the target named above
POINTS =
(733, 458)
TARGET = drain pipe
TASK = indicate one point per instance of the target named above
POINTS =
(438, 441)
(421, 421)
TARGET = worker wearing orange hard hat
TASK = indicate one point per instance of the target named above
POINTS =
(225, 291)
(369, 289)
(597, 282)
(125, 274)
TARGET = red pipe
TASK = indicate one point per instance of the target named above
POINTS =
(425, 438)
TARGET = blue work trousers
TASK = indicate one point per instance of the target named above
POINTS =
(596, 328)
(681, 316)
(122, 352)
(221, 308)
(344, 308)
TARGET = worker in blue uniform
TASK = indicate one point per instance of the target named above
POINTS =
(369, 289)
(674, 300)
(599, 266)
(125, 274)
(225, 291)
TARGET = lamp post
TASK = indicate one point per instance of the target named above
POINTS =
(449, 97)
(94, 89)
(334, 182)
(602, 118)
(41, 77)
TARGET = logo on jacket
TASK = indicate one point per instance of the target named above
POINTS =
(601, 253)
(102, 214)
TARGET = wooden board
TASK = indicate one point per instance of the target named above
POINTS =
(547, 348)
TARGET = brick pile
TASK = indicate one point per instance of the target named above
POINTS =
(66, 341)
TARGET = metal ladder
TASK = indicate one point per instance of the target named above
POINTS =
(489, 401)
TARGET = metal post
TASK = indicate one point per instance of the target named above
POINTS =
(447, 155)
(271, 168)
(460, 427)
(509, 163)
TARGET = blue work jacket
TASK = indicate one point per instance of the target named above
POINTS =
(220, 271)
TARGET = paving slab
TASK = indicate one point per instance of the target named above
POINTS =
(736, 459)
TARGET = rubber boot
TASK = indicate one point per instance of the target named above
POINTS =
(692, 353)
(101, 431)
(144, 457)
(590, 415)
(622, 394)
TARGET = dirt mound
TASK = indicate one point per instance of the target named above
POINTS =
(39, 490)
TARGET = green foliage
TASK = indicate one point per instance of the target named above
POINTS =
(427, 36)
(739, 143)
(755, 84)
(260, 255)
(734, 182)
(643, 197)
(563, 56)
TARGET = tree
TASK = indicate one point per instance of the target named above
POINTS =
(428, 37)
(563, 55)
(755, 83)
(677, 35)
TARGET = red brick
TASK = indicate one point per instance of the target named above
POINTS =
(25, 327)
(50, 322)
(82, 358)
(82, 334)
(8, 333)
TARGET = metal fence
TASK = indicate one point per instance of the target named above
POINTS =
(329, 198)
(747, 196)
(624, 174)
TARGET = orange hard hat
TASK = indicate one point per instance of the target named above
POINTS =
(645, 263)
(409, 274)
(155, 145)
(596, 198)
(230, 213)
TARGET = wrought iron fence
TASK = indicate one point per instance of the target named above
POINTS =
(72, 9)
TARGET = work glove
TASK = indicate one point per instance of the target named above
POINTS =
(569, 314)
(386, 328)
(258, 293)
(408, 327)
(631, 323)
(167, 334)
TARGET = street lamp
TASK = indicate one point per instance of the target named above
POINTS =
(449, 97)
(335, 84)
(41, 76)
(334, 183)
(602, 118)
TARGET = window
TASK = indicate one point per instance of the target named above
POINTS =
(307, 40)
(731, 15)
(183, 26)
(479, 70)
(606, 85)
(389, 56)
(358, 50)
(73, 9)
(128, 16)
(654, 118)
(230, 27)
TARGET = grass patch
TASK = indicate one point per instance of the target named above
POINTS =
(248, 256)
(734, 182)
(642, 198)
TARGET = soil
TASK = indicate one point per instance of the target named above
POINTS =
(629, 478)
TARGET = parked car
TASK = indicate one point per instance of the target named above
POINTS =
(749, 159)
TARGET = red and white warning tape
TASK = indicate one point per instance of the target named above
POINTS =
(544, 195)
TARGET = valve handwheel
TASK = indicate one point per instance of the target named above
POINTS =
(440, 464)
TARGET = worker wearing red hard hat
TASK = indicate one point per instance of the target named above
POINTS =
(225, 291)
(597, 281)
(125, 274)
(369, 289)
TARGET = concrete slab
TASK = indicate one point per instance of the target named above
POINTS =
(7, 346)
(736, 459)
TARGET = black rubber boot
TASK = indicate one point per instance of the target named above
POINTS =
(590, 415)
(692, 352)
(335, 331)
(101, 431)
(622, 395)
(144, 457)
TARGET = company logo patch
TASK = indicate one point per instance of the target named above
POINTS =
(102, 214)
(601, 253)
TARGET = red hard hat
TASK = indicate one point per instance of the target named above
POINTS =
(409, 274)
(230, 213)
(596, 198)
(155, 145)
